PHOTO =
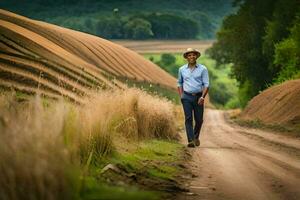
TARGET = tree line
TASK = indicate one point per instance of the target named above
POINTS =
(145, 26)
(129, 19)
(262, 41)
(138, 26)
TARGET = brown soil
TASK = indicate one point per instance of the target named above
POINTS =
(279, 104)
(233, 162)
(79, 62)
(164, 46)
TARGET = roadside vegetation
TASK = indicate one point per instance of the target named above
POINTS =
(121, 144)
(155, 90)
(223, 89)
(262, 42)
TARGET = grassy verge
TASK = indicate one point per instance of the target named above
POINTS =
(258, 124)
(146, 171)
(154, 89)
(120, 145)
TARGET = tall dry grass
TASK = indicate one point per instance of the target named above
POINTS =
(32, 154)
(41, 142)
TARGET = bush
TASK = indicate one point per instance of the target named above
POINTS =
(219, 93)
(168, 59)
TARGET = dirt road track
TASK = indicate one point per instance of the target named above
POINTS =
(234, 162)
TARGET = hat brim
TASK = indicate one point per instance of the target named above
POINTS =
(196, 52)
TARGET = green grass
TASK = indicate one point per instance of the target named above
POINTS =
(152, 160)
(96, 190)
(163, 172)
(152, 152)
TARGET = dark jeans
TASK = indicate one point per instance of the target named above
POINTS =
(190, 107)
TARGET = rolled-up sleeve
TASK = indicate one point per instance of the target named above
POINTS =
(205, 78)
(180, 79)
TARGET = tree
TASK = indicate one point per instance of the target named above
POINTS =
(278, 29)
(206, 24)
(138, 29)
(169, 26)
(260, 43)
(287, 54)
(240, 42)
(110, 28)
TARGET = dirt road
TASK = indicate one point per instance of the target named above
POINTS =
(234, 162)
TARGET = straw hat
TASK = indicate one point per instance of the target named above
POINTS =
(189, 50)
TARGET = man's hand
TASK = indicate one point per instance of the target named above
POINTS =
(201, 101)
(180, 91)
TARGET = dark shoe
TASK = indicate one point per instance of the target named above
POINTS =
(197, 142)
(191, 144)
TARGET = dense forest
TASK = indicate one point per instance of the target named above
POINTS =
(262, 41)
(129, 19)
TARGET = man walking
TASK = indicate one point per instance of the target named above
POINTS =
(193, 83)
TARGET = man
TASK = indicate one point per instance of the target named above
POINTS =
(193, 84)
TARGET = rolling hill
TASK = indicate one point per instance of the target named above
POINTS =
(277, 105)
(38, 56)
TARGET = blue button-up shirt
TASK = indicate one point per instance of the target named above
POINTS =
(193, 81)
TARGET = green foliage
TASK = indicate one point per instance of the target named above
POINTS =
(168, 59)
(255, 40)
(109, 28)
(207, 26)
(245, 93)
(168, 63)
(278, 29)
(93, 189)
(219, 93)
(223, 89)
(156, 151)
(233, 102)
(169, 26)
(85, 16)
(138, 29)
(287, 55)
(152, 159)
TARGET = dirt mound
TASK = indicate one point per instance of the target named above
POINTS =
(279, 104)
(37, 55)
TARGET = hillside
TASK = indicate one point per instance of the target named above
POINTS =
(35, 55)
(279, 104)
(164, 46)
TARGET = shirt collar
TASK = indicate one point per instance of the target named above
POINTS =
(187, 65)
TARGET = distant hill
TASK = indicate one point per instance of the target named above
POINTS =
(90, 15)
(277, 105)
(37, 56)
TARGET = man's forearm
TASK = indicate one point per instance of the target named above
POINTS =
(180, 91)
(204, 92)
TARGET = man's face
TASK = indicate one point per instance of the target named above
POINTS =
(191, 57)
